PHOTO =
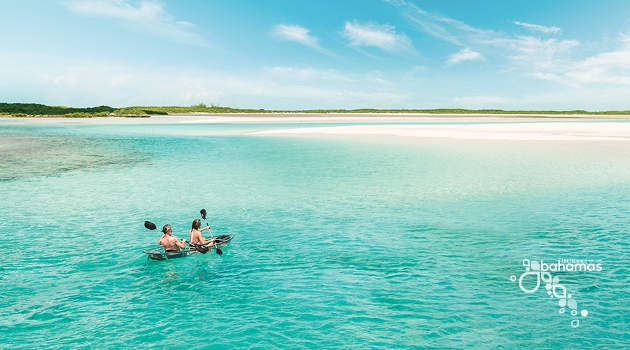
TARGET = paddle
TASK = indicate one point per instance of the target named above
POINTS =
(150, 225)
(203, 216)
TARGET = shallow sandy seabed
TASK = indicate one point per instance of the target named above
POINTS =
(474, 127)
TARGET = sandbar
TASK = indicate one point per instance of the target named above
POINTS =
(467, 126)
(530, 131)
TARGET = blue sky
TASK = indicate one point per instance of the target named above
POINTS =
(293, 54)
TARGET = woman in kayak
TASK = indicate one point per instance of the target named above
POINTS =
(195, 234)
(170, 242)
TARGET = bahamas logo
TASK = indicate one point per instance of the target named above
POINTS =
(537, 273)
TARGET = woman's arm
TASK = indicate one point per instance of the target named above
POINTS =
(208, 241)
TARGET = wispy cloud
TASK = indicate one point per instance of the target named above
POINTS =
(58, 80)
(297, 34)
(464, 55)
(445, 28)
(536, 53)
(376, 35)
(611, 68)
(149, 16)
(558, 60)
(538, 28)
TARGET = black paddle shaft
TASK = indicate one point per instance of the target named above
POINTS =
(203, 216)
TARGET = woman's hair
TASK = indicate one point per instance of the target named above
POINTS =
(196, 224)
(166, 229)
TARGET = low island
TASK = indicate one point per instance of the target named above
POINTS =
(34, 110)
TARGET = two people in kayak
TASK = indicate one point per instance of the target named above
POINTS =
(172, 244)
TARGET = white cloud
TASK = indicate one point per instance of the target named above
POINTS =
(464, 55)
(448, 29)
(381, 36)
(611, 68)
(149, 16)
(295, 33)
(300, 35)
(56, 80)
(557, 60)
(186, 24)
(534, 55)
(538, 28)
(119, 9)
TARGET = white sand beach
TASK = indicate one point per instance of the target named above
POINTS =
(498, 130)
(473, 127)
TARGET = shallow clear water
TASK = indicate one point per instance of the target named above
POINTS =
(340, 242)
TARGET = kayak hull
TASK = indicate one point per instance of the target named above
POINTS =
(161, 254)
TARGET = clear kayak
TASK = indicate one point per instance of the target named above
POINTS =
(161, 254)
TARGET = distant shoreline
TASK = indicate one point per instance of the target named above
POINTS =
(33, 110)
(593, 115)
(330, 116)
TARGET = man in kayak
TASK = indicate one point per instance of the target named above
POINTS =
(195, 234)
(170, 242)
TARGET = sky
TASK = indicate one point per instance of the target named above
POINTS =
(311, 54)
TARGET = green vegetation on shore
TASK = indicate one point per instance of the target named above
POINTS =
(39, 110)
(34, 109)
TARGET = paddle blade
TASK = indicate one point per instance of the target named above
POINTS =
(150, 225)
(201, 248)
(219, 251)
(203, 214)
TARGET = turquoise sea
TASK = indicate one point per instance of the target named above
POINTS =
(340, 242)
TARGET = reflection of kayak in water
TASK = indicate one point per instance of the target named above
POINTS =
(161, 254)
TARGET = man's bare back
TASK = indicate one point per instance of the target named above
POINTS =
(170, 242)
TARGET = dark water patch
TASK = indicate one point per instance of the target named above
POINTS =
(28, 157)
